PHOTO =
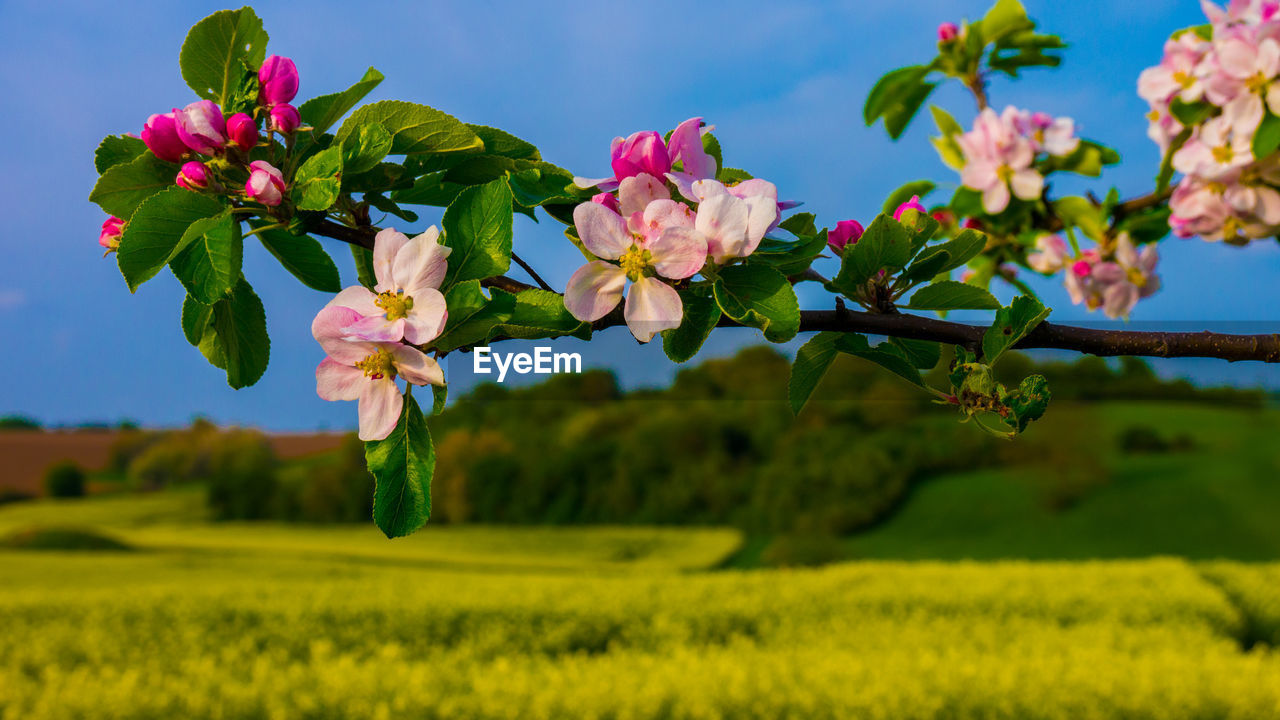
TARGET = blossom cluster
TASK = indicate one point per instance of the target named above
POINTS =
(1221, 80)
(1000, 154)
(1112, 278)
(205, 141)
(662, 217)
(371, 337)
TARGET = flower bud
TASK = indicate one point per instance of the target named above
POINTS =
(201, 126)
(242, 131)
(845, 233)
(265, 184)
(909, 210)
(277, 81)
(608, 200)
(972, 224)
(284, 118)
(947, 32)
(643, 152)
(161, 136)
(112, 229)
(193, 176)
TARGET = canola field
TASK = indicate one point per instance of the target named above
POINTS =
(310, 622)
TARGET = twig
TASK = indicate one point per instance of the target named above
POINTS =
(536, 278)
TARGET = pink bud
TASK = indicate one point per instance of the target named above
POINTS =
(266, 184)
(608, 200)
(161, 136)
(972, 224)
(845, 233)
(193, 176)
(112, 229)
(284, 118)
(912, 204)
(242, 131)
(947, 32)
(1082, 268)
(277, 80)
(944, 216)
(201, 126)
(643, 152)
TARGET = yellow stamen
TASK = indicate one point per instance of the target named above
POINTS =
(1004, 172)
(634, 262)
(378, 365)
(1257, 83)
(1184, 79)
(1223, 154)
(1231, 228)
(1136, 277)
(397, 304)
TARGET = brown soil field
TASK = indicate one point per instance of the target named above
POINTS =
(24, 455)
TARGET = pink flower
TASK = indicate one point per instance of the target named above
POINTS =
(1056, 136)
(367, 371)
(1162, 127)
(645, 152)
(1180, 72)
(596, 288)
(608, 200)
(998, 158)
(193, 176)
(265, 184)
(242, 131)
(1217, 149)
(408, 304)
(112, 230)
(201, 126)
(734, 219)
(277, 80)
(284, 118)
(912, 204)
(947, 32)
(1130, 278)
(1051, 255)
(642, 152)
(160, 133)
(1242, 72)
(686, 148)
(846, 232)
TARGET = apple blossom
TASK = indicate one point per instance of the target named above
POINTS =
(608, 200)
(1128, 279)
(947, 32)
(846, 232)
(1056, 136)
(1051, 255)
(1244, 65)
(242, 131)
(998, 158)
(1180, 72)
(277, 80)
(265, 183)
(651, 304)
(406, 302)
(160, 133)
(1217, 149)
(685, 147)
(284, 118)
(733, 219)
(912, 204)
(112, 230)
(645, 152)
(367, 371)
(201, 126)
(193, 176)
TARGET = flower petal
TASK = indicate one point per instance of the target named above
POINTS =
(337, 381)
(328, 329)
(652, 306)
(636, 192)
(415, 366)
(375, 328)
(1027, 184)
(995, 198)
(685, 144)
(386, 245)
(358, 298)
(601, 230)
(762, 212)
(420, 264)
(380, 406)
(427, 318)
(722, 220)
(679, 252)
(594, 290)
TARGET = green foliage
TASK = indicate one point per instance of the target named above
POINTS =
(125, 185)
(905, 193)
(760, 297)
(402, 464)
(1266, 139)
(304, 258)
(218, 48)
(1076, 211)
(478, 226)
(318, 182)
(812, 361)
(208, 258)
(887, 355)
(473, 317)
(365, 148)
(363, 259)
(886, 245)
(414, 128)
(155, 233)
(115, 150)
(64, 480)
(1012, 323)
(231, 333)
(897, 97)
(540, 314)
(323, 111)
(701, 313)
(952, 295)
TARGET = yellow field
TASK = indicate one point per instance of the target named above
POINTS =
(273, 622)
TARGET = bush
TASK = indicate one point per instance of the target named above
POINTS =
(240, 469)
(64, 480)
(334, 487)
(803, 550)
(56, 538)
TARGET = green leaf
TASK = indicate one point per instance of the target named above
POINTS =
(414, 128)
(760, 297)
(1087, 159)
(701, 313)
(402, 465)
(365, 148)
(196, 317)
(812, 361)
(885, 355)
(439, 398)
(478, 226)
(1076, 211)
(888, 87)
(323, 111)
(952, 295)
(363, 258)
(124, 186)
(800, 225)
(501, 142)
(1266, 139)
(949, 152)
(1012, 323)
(946, 123)
(304, 258)
(540, 314)
(319, 181)
(946, 256)
(207, 261)
(905, 107)
(244, 93)
(1190, 114)
(117, 149)
(1166, 164)
(905, 193)
(430, 189)
(886, 244)
(1028, 402)
(1005, 18)
(473, 317)
(924, 354)
(215, 47)
(534, 187)
(153, 235)
(390, 206)
(241, 326)
(790, 258)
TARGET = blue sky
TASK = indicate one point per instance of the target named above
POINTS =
(783, 83)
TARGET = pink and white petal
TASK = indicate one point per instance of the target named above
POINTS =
(585, 183)
(1027, 184)
(722, 219)
(337, 381)
(380, 406)
(704, 189)
(762, 213)
(686, 144)
(375, 329)
(978, 175)
(995, 198)
(415, 366)
(1268, 207)
(636, 192)
(594, 290)
(652, 306)
(427, 318)
(601, 230)
(754, 186)
(359, 299)
(328, 328)
(679, 252)
(684, 184)
(421, 264)
(386, 244)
